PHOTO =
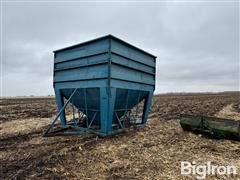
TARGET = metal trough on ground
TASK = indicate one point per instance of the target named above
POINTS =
(215, 127)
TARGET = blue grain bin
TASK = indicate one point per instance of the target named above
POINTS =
(103, 78)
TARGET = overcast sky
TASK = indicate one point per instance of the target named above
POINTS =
(197, 44)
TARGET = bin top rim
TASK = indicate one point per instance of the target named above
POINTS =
(103, 37)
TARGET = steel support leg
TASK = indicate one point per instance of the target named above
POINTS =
(111, 107)
(107, 109)
(60, 103)
(147, 106)
(103, 110)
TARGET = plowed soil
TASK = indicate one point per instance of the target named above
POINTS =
(154, 152)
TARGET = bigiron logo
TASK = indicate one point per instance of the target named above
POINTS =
(202, 171)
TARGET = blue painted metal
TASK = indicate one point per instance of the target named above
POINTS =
(110, 77)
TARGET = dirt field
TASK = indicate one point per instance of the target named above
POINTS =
(154, 152)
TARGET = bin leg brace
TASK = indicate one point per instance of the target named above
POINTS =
(59, 113)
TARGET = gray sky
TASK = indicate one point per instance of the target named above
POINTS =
(197, 44)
